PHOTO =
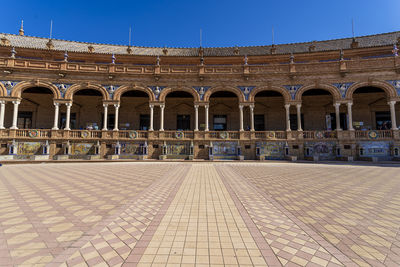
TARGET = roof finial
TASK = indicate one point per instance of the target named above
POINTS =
(21, 30)
(352, 29)
(13, 52)
(113, 58)
(51, 29)
(291, 58)
(273, 37)
(395, 50)
(66, 56)
(201, 37)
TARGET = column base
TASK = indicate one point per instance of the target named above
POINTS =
(13, 127)
(67, 129)
(2, 128)
(55, 128)
(115, 129)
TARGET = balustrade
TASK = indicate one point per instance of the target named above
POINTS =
(198, 135)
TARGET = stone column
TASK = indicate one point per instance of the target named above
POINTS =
(196, 117)
(241, 118)
(287, 107)
(105, 117)
(251, 117)
(68, 116)
(15, 114)
(393, 114)
(298, 106)
(56, 111)
(2, 113)
(337, 114)
(162, 117)
(116, 106)
(151, 117)
(350, 115)
(206, 107)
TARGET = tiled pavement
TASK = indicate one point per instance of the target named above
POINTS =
(199, 214)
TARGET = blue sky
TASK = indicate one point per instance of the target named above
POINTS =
(177, 23)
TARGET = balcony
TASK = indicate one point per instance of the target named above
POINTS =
(169, 135)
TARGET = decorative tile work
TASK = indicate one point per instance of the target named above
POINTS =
(290, 243)
(355, 208)
(292, 89)
(202, 226)
(45, 209)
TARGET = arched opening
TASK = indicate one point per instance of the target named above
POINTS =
(318, 112)
(269, 111)
(134, 111)
(179, 111)
(35, 111)
(86, 111)
(370, 109)
(224, 112)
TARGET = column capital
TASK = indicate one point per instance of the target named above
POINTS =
(196, 106)
(298, 105)
(287, 106)
(16, 102)
(207, 106)
(349, 103)
(241, 106)
(57, 104)
(105, 105)
(336, 104)
(151, 106)
(162, 106)
(251, 106)
(116, 105)
(392, 102)
(2, 102)
(68, 104)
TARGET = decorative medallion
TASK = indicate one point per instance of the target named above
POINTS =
(271, 135)
(343, 87)
(133, 134)
(246, 91)
(9, 85)
(62, 87)
(179, 135)
(293, 90)
(396, 85)
(85, 134)
(33, 133)
(372, 134)
(223, 135)
(111, 89)
(157, 90)
(319, 134)
(201, 90)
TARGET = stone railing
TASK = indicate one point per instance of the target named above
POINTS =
(319, 134)
(196, 135)
(270, 135)
(270, 68)
(373, 134)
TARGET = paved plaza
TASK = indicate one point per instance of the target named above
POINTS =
(199, 214)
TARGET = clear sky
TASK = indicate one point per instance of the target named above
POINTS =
(177, 22)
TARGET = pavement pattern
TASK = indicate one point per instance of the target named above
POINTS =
(199, 214)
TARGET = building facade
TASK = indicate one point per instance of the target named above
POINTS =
(327, 100)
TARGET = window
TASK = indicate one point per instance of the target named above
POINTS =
(24, 120)
(259, 122)
(219, 123)
(144, 123)
(183, 122)
(343, 121)
(383, 120)
(293, 122)
(63, 119)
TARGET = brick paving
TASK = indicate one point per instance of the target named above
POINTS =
(199, 214)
